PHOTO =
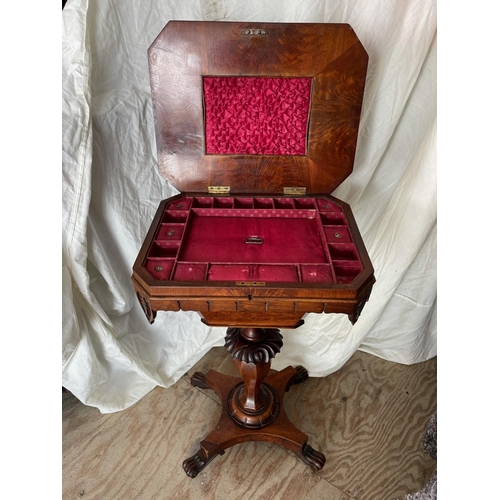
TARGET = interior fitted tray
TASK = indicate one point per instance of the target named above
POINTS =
(265, 239)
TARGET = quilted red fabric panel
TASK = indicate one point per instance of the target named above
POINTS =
(256, 115)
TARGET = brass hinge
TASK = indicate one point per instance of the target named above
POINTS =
(219, 189)
(294, 191)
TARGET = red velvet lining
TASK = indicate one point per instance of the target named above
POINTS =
(221, 239)
(304, 240)
(253, 272)
(256, 115)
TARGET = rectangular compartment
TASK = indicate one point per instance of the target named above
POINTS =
(180, 204)
(170, 232)
(190, 271)
(337, 234)
(160, 269)
(202, 202)
(343, 251)
(243, 203)
(263, 203)
(223, 203)
(333, 219)
(275, 272)
(162, 249)
(316, 273)
(328, 206)
(283, 203)
(175, 217)
(346, 272)
(253, 272)
(304, 203)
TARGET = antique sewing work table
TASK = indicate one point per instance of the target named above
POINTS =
(255, 125)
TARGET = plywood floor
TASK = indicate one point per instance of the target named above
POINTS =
(368, 419)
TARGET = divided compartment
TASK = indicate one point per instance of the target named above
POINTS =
(202, 202)
(346, 272)
(328, 206)
(286, 203)
(243, 203)
(343, 251)
(190, 271)
(180, 204)
(253, 272)
(162, 249)
(316, 273)
(174, 217)
(223, 203)
(263, 203)
(337, 234)
(333, 219)
(163, 264)
(170, 232)
(307, 203)
(160, 269)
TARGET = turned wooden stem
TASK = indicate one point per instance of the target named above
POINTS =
(252, 399)
(252, 403)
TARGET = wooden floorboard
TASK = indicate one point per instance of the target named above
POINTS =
(368, 419)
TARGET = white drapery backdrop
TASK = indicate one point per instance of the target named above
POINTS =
(111, 189)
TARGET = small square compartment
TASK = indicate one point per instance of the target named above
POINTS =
(328, 206)
(223, 203)
(343, 251)
(163, 249)
(174, 217)
(190, 271)
(316, 274)
(243, 203)
(333, 219)
(283, 203)
(170, 232)
(304, 203)
(263, 203)
(203, 202)
(346, 272)
(181, 204)
(160, 269)
(337, 234)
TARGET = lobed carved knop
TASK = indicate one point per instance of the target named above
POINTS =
(248, 351)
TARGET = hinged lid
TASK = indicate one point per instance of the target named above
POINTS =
(259, 107)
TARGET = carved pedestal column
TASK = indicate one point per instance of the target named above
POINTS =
(252, 408)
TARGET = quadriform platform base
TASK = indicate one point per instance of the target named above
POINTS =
(252, 409)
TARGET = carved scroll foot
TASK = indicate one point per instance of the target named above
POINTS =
(194, 465)
(313, 457)
(299, 378)
(198, 380)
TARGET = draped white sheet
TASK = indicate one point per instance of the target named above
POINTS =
(111, 189)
